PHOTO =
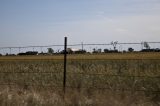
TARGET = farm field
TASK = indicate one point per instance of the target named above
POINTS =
(92, 80)
(137, 55)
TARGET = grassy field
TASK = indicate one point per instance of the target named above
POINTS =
(92, 80)
(86, 56)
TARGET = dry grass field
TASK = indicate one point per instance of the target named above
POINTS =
(137, 55)
(130, 79)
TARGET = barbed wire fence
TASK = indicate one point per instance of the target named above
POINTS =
(78, 78)
(83, 74)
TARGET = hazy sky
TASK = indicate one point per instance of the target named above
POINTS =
(43, 22)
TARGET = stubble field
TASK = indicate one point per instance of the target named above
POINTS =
(131, 79)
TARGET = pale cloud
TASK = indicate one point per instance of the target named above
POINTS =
(154, 28)
(124, 28)
(98, 21)
(121, 30)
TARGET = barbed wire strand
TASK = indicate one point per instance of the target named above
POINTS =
(82, 87)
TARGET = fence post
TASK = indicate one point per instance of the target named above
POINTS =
(82, 46)
(65, 64)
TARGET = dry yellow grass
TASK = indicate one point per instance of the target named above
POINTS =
(87, 56)
(38, 80)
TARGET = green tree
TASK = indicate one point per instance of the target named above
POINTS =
(50, 50)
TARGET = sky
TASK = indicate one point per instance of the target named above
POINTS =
(45, 22)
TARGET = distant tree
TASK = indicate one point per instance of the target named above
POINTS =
(50, 50)
(114, 44)
(146, 45)
(7, 54)
(94, 50)
(130, 49)
(106, 50)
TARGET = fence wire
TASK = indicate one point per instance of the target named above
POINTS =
(50, 81)
(116, 75)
